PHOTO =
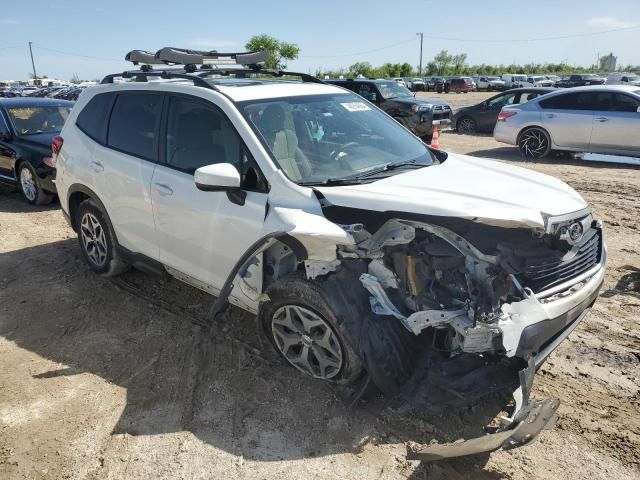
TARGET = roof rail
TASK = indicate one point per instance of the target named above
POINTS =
(183, 56)
(144, 74)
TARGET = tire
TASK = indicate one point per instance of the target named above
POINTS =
(312, 317)
(466, 125)
(534, 142)
(373, 345)
(97, 241)
(30, 186)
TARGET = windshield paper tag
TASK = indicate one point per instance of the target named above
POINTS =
(355, 106)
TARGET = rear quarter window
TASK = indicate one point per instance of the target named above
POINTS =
(93, 118)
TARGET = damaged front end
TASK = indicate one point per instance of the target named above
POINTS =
(512, 294)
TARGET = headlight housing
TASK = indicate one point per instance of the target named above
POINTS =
(422, 107)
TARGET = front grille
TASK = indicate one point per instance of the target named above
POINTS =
(542, 275)
(441, 112)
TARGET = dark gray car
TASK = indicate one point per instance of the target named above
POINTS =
(482, 117)
(417, 114)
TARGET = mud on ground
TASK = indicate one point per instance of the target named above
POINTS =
(108, 378)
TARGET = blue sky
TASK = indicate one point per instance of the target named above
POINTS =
(330, 33)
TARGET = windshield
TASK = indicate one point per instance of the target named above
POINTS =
(33, 120)
(324, 139)
(393, 90)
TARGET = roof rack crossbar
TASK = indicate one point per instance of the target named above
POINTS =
(142, 76)
(243, 73)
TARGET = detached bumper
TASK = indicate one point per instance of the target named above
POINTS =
(540, 414)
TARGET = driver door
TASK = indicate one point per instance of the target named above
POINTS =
(203, 234)
(486, 118)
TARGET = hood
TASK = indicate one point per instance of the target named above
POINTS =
(475, 189)
(418, 100)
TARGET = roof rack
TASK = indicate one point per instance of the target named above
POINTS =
(183, 56)
(207, 61)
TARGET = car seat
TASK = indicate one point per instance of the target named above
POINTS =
(283, 142)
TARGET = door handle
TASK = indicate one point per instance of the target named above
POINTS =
(164, 190)
(602, 119)
(550, 115)
(97, 167)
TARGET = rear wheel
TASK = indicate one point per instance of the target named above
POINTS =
(30, 187)
(466, 125)
(97, 241)
(534, 143)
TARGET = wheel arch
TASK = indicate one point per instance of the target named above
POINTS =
(77, 194)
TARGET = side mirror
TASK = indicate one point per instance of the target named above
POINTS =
(219, 177)
(638, 109)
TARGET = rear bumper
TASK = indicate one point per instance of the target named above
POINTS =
(47, 177)
(505, 133)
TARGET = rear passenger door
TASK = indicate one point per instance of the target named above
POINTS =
(123, 161)
(616, 126)
(203, 234)
(569, 119)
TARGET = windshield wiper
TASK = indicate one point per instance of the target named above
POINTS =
(391, 166)
(332, 182)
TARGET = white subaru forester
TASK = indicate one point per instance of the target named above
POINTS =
(349, 238)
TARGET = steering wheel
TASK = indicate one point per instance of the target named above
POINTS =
(335, 155)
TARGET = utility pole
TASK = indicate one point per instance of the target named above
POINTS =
(35, 76)
(421, 38)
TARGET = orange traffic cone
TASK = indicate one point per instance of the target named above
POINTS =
(434, 139)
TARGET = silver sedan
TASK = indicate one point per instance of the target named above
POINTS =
(599, 119)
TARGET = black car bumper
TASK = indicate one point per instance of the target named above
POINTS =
(46, 177)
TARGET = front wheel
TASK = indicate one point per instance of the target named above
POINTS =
(304, 328)
(534, 143)
(30, 187)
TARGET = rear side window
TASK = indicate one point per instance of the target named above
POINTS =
(92, 120)
(570, 101)
(134, 124)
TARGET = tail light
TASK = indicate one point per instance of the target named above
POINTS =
(504, 114)
(56, 144)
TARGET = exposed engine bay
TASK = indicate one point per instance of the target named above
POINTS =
(428, 276)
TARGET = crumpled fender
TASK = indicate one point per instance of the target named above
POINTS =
(319, 235)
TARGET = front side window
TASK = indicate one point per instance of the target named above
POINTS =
(367, 91)
(34, 120)
(200, 134)
(134, 124)
(326, 138)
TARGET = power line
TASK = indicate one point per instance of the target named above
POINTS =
(476, 40)
(78, 54)
(361, 53)
(538, 39)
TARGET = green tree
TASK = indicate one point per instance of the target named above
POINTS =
(442, 61)
(279, 51)
(361, 68)
(459, 62)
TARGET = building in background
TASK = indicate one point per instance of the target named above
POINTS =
(608, 63)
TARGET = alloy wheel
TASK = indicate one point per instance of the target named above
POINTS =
(534, 143)
(467, 125)
(93, 239)
(307, 341)
(28, 184)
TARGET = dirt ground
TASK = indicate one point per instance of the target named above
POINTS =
(104, 379)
